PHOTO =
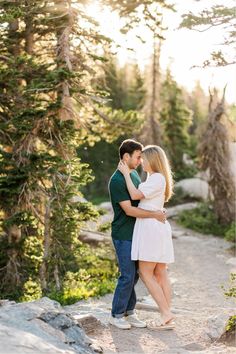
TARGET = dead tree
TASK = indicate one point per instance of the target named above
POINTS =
(215, 156)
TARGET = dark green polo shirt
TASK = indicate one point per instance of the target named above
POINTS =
(122, 226)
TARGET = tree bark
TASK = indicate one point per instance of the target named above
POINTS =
(46, 249)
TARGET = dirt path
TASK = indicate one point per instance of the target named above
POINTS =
(201, 268)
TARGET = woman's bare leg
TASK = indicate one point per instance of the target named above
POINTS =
(146, 272)
(162, 278)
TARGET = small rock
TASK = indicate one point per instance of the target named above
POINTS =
(106, 206)
(61, 321)
(6, 302)
(76, 335)
(48, 316)
(93, 237)
(95, 347)
(193, 347)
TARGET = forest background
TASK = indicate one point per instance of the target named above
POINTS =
(66, 103)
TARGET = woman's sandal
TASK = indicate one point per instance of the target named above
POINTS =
(166, 326)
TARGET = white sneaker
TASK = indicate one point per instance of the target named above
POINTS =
(119, 323)
(135, 322)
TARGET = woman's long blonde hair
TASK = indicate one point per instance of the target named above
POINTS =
(159, 162)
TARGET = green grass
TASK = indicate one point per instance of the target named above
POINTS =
(203, 220)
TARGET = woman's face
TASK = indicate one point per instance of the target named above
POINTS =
(145, 164)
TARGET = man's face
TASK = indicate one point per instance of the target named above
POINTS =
(134, 160)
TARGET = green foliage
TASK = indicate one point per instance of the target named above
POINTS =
(105, 227)
(219, 16)
(126, 97)
(50, 106)
(185, 172)
(231, 325)
(230, 234)
(203, 219)
(31, 291)
(175, 120)
(231, 293)
(96, 275)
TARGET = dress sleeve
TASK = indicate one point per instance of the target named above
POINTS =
(154, 185)
(119, 191)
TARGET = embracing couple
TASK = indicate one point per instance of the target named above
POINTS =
(140, 233)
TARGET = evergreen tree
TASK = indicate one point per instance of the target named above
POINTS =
(198, 103)
(48, 107)
(176, 119)
(125, 94)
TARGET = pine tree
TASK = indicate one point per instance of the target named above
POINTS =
(176, 119)
(48, 107)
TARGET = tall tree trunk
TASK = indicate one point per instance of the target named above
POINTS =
(14, 47)
(29, 36)
(155, 97)
(46, 250)
(151, 132)
(215, 156)
(12, 276)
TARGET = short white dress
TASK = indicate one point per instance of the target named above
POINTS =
(152, 240)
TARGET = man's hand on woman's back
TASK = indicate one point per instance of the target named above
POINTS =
(160, 215)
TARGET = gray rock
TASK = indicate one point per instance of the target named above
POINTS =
(47, 303)
(216, 324)
(6, 302)
(106, 206)
(194, 187)
(173, 211)
(193, 347)
(51, 331)
(40, 326)
(93, 237)
(61, 321)
(96, 348)
(76, 334)
(49, 316)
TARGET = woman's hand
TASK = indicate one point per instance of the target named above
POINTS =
(123, 168)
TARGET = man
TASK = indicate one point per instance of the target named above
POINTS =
(125, 212)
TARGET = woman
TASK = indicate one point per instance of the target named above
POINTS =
(152, 241)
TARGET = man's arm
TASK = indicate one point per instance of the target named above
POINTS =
(141, 213)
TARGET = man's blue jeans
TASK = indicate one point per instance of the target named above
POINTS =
(124, 299)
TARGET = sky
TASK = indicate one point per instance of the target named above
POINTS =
(181, 50)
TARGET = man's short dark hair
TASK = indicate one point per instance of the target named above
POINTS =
(129, 146)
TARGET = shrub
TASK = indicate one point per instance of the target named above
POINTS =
(231, 292)
(230, 234)
(203, 219)
(105, 227)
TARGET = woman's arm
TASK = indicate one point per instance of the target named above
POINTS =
(133, 191)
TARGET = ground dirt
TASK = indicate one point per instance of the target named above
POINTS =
(202, 266)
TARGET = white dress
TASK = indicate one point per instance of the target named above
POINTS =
(152, 240)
